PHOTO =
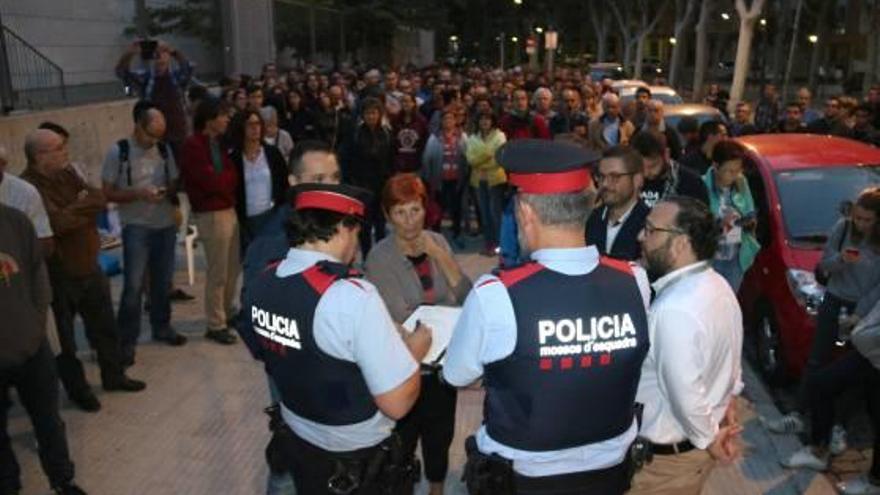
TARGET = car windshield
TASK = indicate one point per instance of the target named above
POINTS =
(811, 198)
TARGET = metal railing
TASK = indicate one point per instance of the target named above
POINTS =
(28, 79)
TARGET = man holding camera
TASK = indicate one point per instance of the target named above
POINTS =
(160, 83)
(140, 175)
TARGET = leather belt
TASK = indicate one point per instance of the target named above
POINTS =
(672, 449)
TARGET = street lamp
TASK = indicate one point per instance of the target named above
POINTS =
(518, 2)
(725, 16)
(551, 43)
(763, 21)
(813, 39)
(539, 30)
(453, 38)
(672, 40)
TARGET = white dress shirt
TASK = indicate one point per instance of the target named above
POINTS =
(486, 332)
(21, 195)
(693, 368)
(351, 323)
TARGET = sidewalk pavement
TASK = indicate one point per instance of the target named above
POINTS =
(199, 427)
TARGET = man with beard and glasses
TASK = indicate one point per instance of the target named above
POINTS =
(614, 228)
(527, 331)
(693, 372)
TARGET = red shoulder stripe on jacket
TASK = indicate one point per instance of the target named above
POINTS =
(516, 275)
(615, 264)
(318, 279)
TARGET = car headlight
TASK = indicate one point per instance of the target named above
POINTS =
(807, 292)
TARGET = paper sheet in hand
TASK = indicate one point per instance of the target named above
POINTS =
(442, 321)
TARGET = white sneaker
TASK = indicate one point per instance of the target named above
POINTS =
(789, 424)
(805, 458)
(837, 445)
(858, 486)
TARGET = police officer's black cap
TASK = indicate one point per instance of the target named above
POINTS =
(539, 166)
(339, 198)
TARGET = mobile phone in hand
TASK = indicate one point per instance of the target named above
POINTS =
(148, 49)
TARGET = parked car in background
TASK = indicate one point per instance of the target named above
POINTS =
(624, 84)
(798, 182)
(703, 113)
(610, 70)
(663, 93)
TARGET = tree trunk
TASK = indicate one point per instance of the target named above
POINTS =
(702, 40)
(646, 27)
(682, 22)
(747, 18)
(781, 27)
(627, 38)
(599, 20)
(794, 40)
(822, 31)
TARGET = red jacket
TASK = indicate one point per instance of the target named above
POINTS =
(524, 127)
(207, 189)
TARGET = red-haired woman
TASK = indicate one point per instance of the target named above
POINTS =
(410, 268)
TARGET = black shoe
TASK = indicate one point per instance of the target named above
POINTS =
(85, 399)
(124, 384)
(223, 336)
(173, 339)
(69, 489)
(177, 295)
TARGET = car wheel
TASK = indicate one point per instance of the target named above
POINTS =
(768, 347)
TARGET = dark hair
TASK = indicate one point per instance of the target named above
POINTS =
(56, 128)
(140, 114)
(792, 104)
(696, 221)
(869, 199)
(726, 151)
(632, 161)
(648, 144)
(642, 89)
(313, 225)
(253, 88)
(864, 107)
(209, 109)
(238, 127)
(196, 93)
(709, 128)
(303, 147)
(688, 124)
(371, 103)
(488, 115)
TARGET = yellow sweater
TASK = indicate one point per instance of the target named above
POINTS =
(480, 154)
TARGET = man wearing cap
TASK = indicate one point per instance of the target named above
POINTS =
(549, 338)
(343, 371)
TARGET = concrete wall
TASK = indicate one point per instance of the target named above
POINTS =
(93, 128)
(85, 37)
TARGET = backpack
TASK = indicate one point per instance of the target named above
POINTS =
(125, 162)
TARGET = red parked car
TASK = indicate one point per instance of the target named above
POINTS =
(800, 183)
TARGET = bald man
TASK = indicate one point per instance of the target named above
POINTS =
(78, 284)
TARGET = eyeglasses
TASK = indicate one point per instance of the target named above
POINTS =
(651, 228)
(612, 177)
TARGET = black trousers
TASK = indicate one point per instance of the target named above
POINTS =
(37, 385)
(822, 348)
(609, 481)
(451, 199)
(88, 297)
(431, 420)
(312, 467)
(375, 222)
(829, 382)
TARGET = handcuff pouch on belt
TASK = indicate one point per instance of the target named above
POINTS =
(388, 467)
(640, 454)
(487, 474)
(275, 456)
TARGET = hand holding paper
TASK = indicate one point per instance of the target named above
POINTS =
(441, 320)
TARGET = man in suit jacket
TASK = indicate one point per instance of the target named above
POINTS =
(614, 227)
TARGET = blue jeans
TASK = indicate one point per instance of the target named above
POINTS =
(143, 248)
(491, 199)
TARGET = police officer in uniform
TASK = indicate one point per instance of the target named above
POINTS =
(343, 371)
(559, 342)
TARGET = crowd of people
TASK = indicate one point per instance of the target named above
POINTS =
(293, 177)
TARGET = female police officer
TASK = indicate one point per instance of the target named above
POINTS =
(344, 372)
